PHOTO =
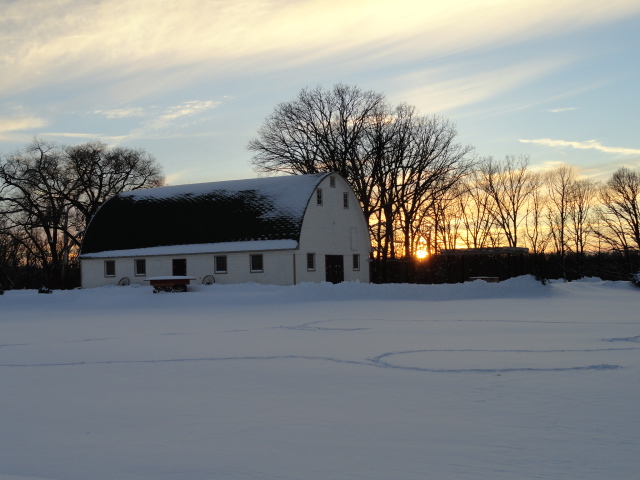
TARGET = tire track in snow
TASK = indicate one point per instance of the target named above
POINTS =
(186, 360)
(635, 339)
(310, 326)
(92, 340)
(377, 361)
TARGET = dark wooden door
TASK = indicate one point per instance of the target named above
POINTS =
(179, 267)
(334, 267)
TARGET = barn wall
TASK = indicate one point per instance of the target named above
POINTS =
(278, 269)
(331, 229)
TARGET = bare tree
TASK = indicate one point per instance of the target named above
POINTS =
(583, 192)
(11, 255)
(321, 131)
(446, 219)
(578, 229)
(475, 208)
(416, 172)
(398, 163)
(560, 190)
(619, 212)
(48, 193)
(509, 184)
(100, 172)
(536, 233)
(433, 165)
(386, 143)
(37, 212)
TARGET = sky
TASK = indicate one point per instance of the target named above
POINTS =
(191, 81)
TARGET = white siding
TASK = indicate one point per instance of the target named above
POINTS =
(278, 269)
(331, 229)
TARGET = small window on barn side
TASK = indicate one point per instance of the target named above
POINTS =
(256, 263)
(221, 264)
(140, 267)
(109, 268)
(319, 196)
(311, 261)
(332, 181)
(356, 261)
(345, 200)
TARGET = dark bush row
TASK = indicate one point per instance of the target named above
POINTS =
(460, 268)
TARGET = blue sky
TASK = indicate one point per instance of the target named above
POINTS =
(191, 81)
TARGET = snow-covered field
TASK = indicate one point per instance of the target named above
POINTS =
(514, 380)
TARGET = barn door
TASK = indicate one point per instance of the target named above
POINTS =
(179, 267)
(334, 267)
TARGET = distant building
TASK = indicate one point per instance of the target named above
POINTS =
(485, 251)
(491, 264)
(275, 230)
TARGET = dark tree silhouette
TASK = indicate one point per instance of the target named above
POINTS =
(49, 192)
(398, 163)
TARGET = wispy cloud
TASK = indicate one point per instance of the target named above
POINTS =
(117, 139)
(51, 41)
(596, 171)
(117, 113)
(187, 109)
(155, 122)
(10, 126)
(110, 139)
(461, 89)
(178, 176)
(561, 110)
(586, 145)
(160, 117)
(547, 165)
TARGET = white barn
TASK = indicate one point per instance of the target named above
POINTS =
(275, 230)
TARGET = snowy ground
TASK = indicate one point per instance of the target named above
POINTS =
(477, 381)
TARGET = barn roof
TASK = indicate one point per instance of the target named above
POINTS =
(262, 209)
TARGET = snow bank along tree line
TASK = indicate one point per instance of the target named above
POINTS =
(48, 194)
(421, 191)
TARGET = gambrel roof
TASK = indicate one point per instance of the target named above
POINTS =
(262, 209)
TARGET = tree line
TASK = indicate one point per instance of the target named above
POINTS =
(423, 192)
(48, 194)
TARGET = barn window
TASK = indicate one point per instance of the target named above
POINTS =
(319, 196)
(356, 261)
(311, 261)
(140, 267)
(109, 268)
(221, 264)
(256, 263)
(332, 181)
(345, 200)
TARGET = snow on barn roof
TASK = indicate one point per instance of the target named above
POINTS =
(261, 209)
